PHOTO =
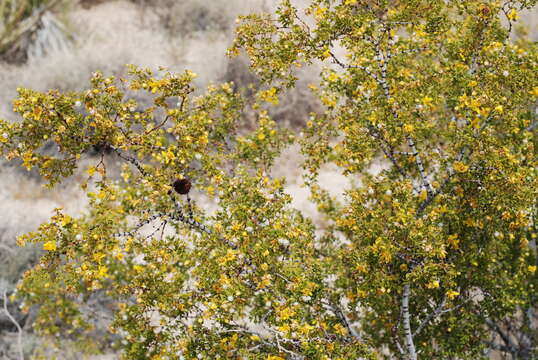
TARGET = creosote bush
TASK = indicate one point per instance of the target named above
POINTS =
(430, 258)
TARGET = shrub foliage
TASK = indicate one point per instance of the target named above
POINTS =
(430, 257)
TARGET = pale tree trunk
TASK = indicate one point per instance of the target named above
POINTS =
(409, 344)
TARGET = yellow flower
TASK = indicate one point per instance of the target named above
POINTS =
(210, 190)
(284, 328)
(98, 256)
(191, 74)
(423, 195)
(230, 256)
(513, 15)
(332, 77)
(408, 128)
(427, 101)
(475, 123)
(469, 222)
(340, 329)
(27, 158)
(360, 268)
(532, 268)
(454, 241)
(499, 109)
(168, 156)
(452, 294)
(385, 256)
(306, 329)
(49, 246)
(265, 281)
(320, 12)
(102, 272)
(286, 313)
(307, 291)
(118, 255)
(534, 91)
(274, 357)
(66, 220)
(460, 167)
(101, 195)
(269, 96)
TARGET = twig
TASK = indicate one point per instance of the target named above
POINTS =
(7, 248)
(383, 83)
(431, 316)
(505, 337)
(157, 126)
(346, 322)
(19, 329)
(140, 224)
(130, 159)
(164, 226)
(532, 126)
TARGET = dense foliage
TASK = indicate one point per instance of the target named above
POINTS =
(430, 257)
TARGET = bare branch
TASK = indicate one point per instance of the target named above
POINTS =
(532, 126)
(139, 225)
(505, 337)
(431, 316)
(19, 329)
(130, 159)
(383, 83)
(340, 313)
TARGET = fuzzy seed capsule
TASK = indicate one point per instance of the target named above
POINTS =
(182, 186)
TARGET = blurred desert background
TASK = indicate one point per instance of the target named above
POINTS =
(62, 43)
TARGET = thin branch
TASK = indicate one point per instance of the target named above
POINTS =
(7, 248)
(399, 346)
(433, 195)
(507, 6)
(157, 126)
(265, 340)
(19, 329)
(388, 150)
(498, 347)
(431, 316)
(532, 126)
(383, 83)
(505, 337)
(139, 225)
(130, 159)
(163, 227)
(340, 313)
(366, 69)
